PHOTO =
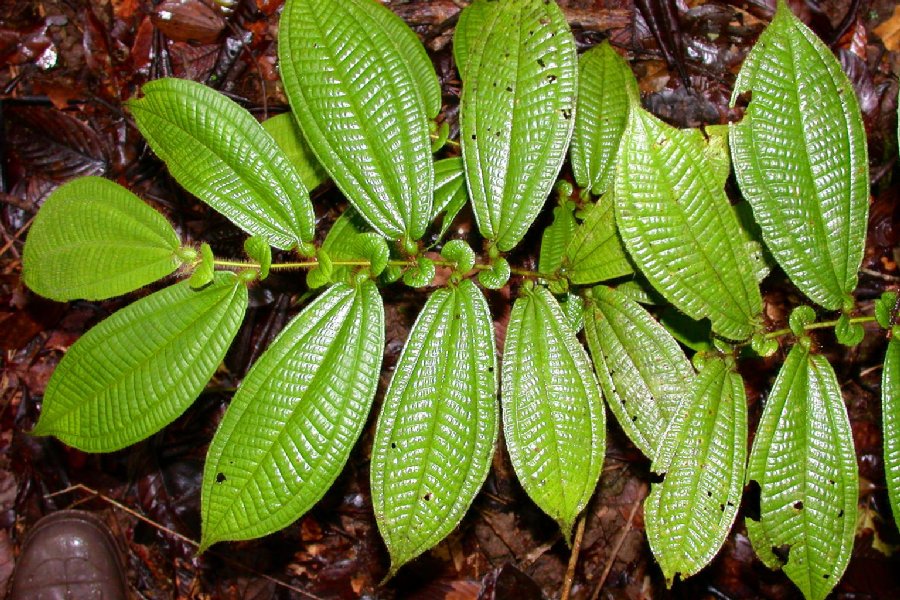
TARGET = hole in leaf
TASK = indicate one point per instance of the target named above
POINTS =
(752, 500)
(841, 514)
(656, 478)
(826, 576)
(798, 505)
(551, 78)
(722, 507)
(427, 497)
(541, 63)
(220, 477)
(782, 553)
(708, 494)
(393, 444)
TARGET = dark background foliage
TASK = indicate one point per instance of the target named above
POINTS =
(67, 66)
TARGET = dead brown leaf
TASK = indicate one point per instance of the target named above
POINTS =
(889, 31)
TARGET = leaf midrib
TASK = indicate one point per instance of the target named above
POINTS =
(818, 219)
(98, 393)
(253, 217)
(303, 400)
(710, 308)
(381, 207)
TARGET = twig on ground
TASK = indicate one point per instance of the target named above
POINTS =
(573, 559)
(15, 237)
(617, 547)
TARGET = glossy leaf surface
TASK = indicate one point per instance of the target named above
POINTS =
(642, 370)
(286, 133)
(93, 239)
(804, 461)
(801, 160)
(554, 421)
(556, 238)
(292, 424)
(222, 155)
(357, 91)
(450, 193)
(704, 457)
(517, 109)
(437, 427)
(605, 86)
(138, 370)
(890, 411)
(680, 229)
(596, 252)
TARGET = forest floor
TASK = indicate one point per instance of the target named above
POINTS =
(66, 68)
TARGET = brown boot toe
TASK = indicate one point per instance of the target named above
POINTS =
(70, 554)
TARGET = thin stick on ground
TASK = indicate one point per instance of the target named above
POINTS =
(79, 487)
(617, 547)
(573, 559)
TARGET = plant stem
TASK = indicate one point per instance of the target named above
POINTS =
(820, 325)
(309, 264)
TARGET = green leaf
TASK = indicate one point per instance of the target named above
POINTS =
(258, 249)
(764, 346)
(205, 271)
(803, 114)
(460, 253)
(93, 239)
(679, 227)
(572, 306)
(450, 193)
(421, 274)
(689, 332)
(139, 369)
(642, 370)
(804, 462)
(640, 290)
(800, 318)
(292, 424)
(605, 84)
(596, 252)
(688, 516)
(847, 332)
(556, 238)
(715, 138)
(372, 248)
(516, 110)
(286, 133)
(408, 46)
(553, 417)
(437, 428)
(222, 155)
(359, 91)
(884, 309)
(497, 276)
(890, 411)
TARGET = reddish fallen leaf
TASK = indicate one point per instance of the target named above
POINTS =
(18, 328)
(269, 7)
(125, 9)
(889, 31)
(508, 582)
(55, 144)
(188, 21)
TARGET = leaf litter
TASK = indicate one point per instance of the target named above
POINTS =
(65, 71)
